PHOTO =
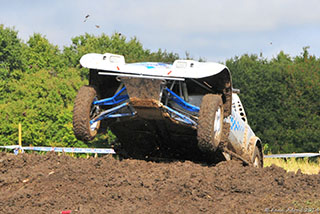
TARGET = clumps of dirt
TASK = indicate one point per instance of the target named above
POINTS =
(32, 183)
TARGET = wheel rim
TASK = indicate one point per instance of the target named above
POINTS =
(217, 123)
(94, 126)
(94, 111)
(256, 162)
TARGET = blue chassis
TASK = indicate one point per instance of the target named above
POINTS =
(118, 98)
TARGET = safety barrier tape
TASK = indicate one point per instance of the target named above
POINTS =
(61, 149)
(111, 151)
(294, 155)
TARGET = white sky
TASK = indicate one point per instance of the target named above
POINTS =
(212, 29)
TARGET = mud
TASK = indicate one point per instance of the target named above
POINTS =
(32, 183)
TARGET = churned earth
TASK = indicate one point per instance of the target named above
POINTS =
(51, 183)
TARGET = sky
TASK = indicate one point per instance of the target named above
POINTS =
(215, 30)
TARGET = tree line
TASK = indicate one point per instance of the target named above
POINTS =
(39, 81)
(282, 99)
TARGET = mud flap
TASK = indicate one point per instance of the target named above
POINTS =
(143, 88)
(145, 96)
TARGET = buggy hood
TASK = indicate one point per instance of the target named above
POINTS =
(112, 64)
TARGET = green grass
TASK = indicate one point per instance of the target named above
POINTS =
(294, 164)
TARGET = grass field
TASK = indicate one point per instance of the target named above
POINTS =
(306, 165)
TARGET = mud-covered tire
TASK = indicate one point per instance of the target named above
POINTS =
(257, 160)
(210, 123)
(83, 112)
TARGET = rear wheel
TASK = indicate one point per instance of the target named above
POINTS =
(83, 112)
(210, 123)
(257, 159)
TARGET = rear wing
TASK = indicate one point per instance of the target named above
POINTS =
(114, 65)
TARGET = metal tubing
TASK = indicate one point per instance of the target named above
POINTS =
(117, 98)
(185, 91)
(182, 103)
(108, 112)
(202, 85)
(121, 115)
(184, 118)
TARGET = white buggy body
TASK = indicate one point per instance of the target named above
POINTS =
(180, 69)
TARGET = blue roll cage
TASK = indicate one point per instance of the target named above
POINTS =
(118, 98)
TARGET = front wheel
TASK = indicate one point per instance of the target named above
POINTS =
(210, 123)
(83, 112)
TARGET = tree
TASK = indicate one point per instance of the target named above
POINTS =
(41, 54)
(11, 59)
(43, 103)
(11, 49)
(281, 97)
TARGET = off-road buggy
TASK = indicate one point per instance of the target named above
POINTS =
(187, 110)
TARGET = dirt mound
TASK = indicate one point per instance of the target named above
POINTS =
(31, 183)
